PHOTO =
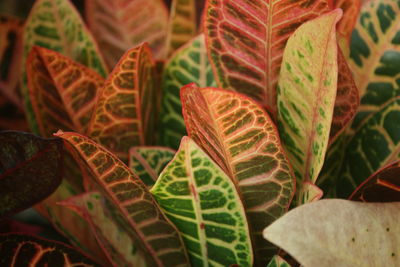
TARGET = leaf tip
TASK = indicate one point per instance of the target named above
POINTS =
(58, 133)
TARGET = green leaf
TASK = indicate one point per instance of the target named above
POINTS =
(56, 25)
(188, 64)
(202, 202)
(124, 114)
(242, 139)
(278, 262)
(26, 250)
(30, 170)
(148, 162)
(306, 95)
(351, 233)
(116, 242)
(156, 238)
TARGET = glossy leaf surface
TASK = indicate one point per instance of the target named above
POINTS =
(351, 10)
(278, 262)
(122, 24)
(124, 114)
(30, 170)
(370, 239)
(157, 240)
(246, 40)
(307, 93)
(26, 250)
(148, 162)
(189, 64)
(57, 25)
(202, 202)
(242, 139)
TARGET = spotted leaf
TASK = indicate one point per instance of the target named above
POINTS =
(202, 202)
(56, 25)
(124, 115)
(306, 95)
(278, 262)
(148, 162)
(351, 9)
(121, 24)
(370, 239)
(189, 64)
(246, 40)
(156, 238)
(26, 250)
(242, 139)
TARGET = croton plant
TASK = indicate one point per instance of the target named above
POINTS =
(201, 133)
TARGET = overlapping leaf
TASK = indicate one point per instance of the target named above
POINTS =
(188, 64)
(30, 170)
(121, 24)
(202, 202)
(278, 262)
(124, 114)
(371, 239)
(115, 241)
(10, 57)
(375, 55)
(147, 162)
(182, 24)
(55, 24)
(307, 93)
(351, 9)
(26, 250)
(241, 138)
(246, 40)
(156, 239)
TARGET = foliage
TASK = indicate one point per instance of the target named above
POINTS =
(284, 102)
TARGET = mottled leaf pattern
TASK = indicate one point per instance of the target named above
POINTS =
(157, 240)
(119, 25)
(202, 202)
(55, 24)
(189, 64)
(375, 55)
(241, 138)
(123, 116)
(246, 40)
(351, 9)
(182, 24)
(62, 92)
(10, 57)
(26, 250)
(351, 233)
(116, 242)
(278, 262)
(306, 95)
(147, 162)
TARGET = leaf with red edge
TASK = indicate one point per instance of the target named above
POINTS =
(382, 186)
(63, 93)
(30, 170)
(26, 250)
(351, 9)
(156, 238)
(124, 114)
(119, 25)
(246, 40)
(242, 139)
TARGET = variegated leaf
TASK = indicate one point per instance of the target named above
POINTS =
(115, 241)
(156, 238)
(10, 57)
(375, 55)
(124, 115)
(242, 139)
(119, 25)
(189, 64)
(351, 10)
(55, 24)
(352, 233)
(202, 202)
(246, 40)
(148, 162)
(62, 92)
(182, 24)
(27, 250)
(306, 95)
(278, 262)
(382, 186)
